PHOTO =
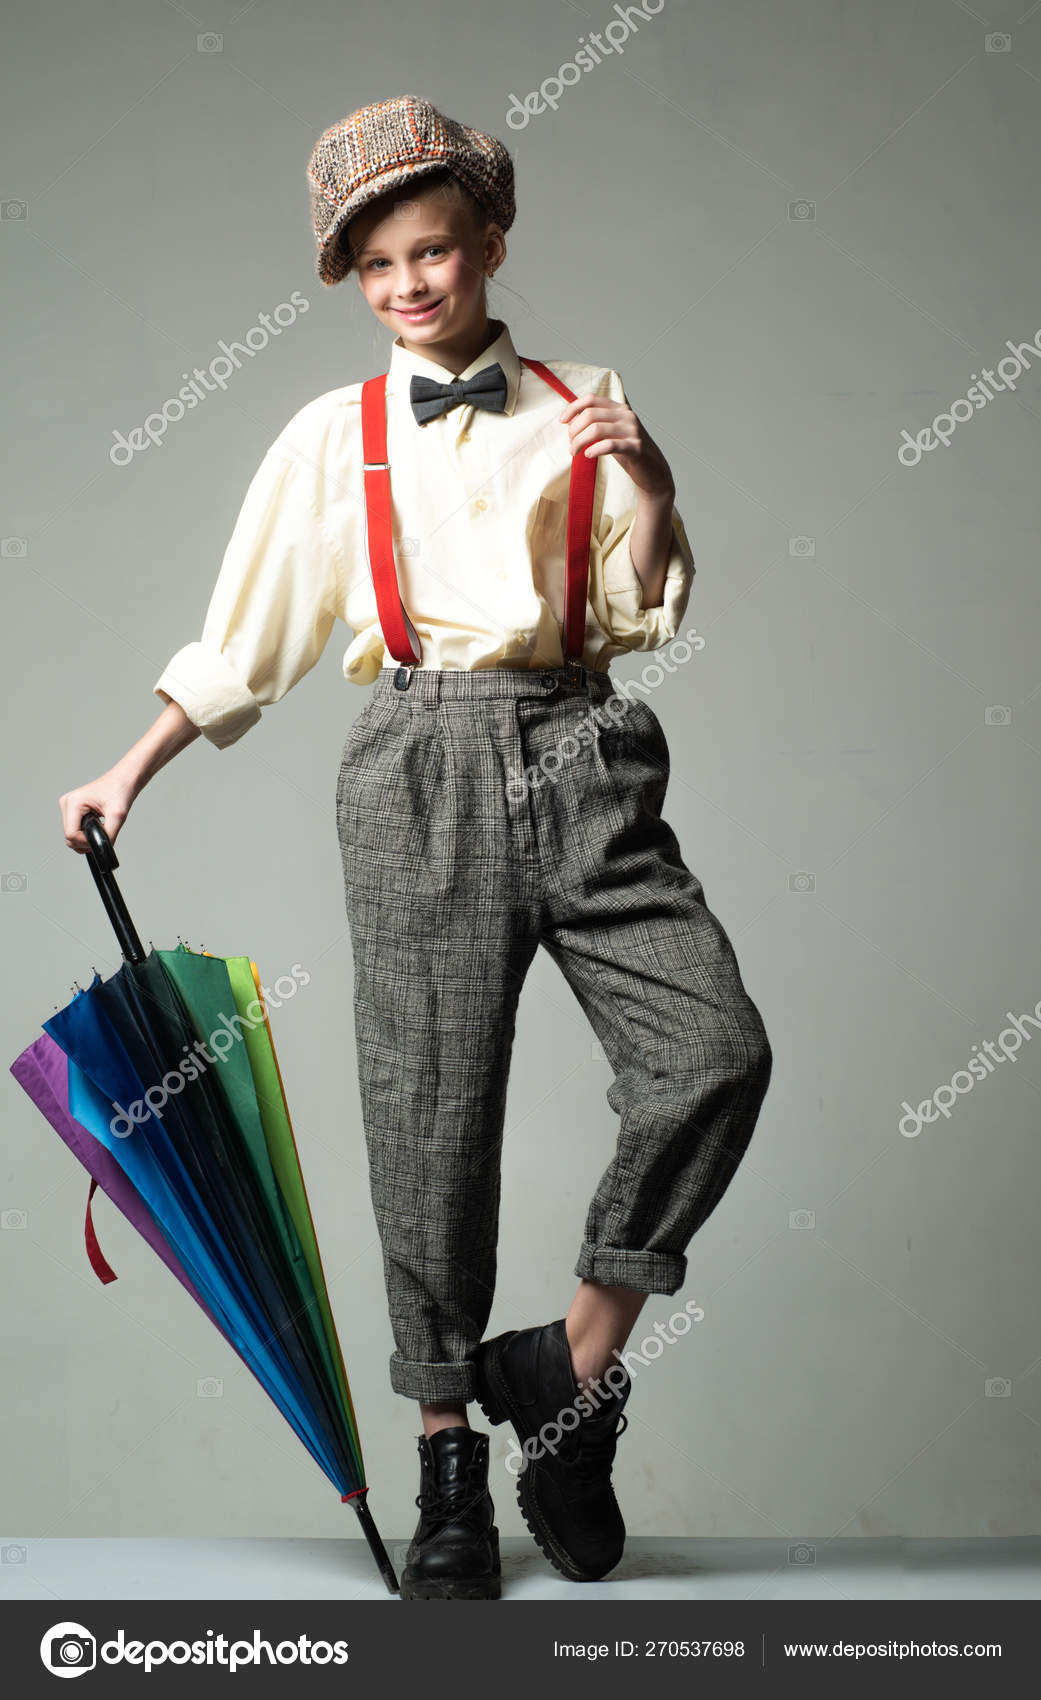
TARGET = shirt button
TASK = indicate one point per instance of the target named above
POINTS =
(548, 681)
(500, 575)
(480, 504)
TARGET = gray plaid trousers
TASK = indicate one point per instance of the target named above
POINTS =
(479, 815)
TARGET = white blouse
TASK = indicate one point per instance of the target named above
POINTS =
(479, 514)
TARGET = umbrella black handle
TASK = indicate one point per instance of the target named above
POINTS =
(102, 857)
(376, 1547)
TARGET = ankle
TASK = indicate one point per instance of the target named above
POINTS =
(583, 1361)
(439, 1416)
(589, 1364)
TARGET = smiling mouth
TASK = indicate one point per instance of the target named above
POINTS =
(418, 312)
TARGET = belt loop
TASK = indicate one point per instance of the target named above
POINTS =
(428, 691)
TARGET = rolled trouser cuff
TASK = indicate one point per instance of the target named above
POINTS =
(644, 1271)
(433, 1383)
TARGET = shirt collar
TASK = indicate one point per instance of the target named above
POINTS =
(403, 362)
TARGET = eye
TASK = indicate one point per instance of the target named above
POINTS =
(431, 248)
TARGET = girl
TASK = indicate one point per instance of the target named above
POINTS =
(493, 551)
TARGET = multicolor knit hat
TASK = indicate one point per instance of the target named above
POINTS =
(388, 144)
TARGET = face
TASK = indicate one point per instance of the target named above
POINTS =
(421, 267)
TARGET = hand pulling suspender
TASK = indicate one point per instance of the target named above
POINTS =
(399, 634)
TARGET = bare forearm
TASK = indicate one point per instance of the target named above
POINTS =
(650, 544)
(168, 735)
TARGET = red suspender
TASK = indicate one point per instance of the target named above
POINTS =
(579, 530)
(399, 634)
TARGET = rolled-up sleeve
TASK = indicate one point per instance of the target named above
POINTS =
(626, 620)
(272, 609)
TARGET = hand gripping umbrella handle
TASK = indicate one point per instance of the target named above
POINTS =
(102, 858)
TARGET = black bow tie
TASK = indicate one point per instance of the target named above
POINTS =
(486, 388)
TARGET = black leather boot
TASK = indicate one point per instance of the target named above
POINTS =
(454, 1553)
(525, 1377)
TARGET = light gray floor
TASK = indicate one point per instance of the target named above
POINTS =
(679, 1568)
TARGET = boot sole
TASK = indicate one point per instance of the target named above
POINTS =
(493, 1396)
(453, 1588)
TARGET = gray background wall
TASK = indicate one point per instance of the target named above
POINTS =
(850, 1376)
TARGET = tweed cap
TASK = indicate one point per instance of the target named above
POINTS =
(390, 144)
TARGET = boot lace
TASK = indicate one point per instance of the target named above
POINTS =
(445, 1504)
(589, 1452)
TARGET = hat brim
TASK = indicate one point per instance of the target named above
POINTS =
(334, 261)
